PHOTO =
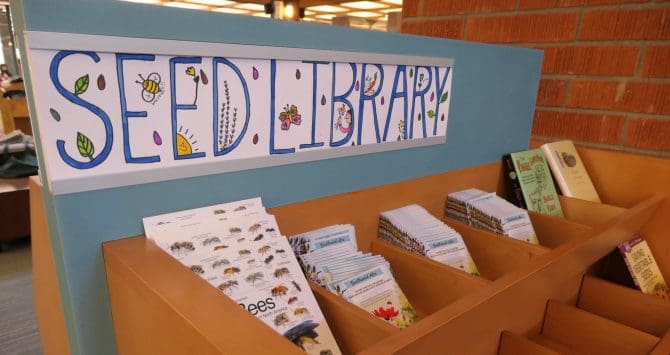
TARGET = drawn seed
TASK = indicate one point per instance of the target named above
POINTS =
(255, 73)
(323, 100)
(358, 85)
(255, 140)
(442, 117)
(398, 137)
(101, 82)
(297, 74)
(418, 117)
(432, 96)
(382, 100)
(157, 138)
(55, 114)
(411, 72)
(353, 144)
(203, 77)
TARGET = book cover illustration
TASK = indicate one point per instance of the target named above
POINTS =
(537, 186)
(643, 268)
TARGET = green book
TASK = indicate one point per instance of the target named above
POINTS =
(528, 172)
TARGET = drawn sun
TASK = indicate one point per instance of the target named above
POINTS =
(185, 145)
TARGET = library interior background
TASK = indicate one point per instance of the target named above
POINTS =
(335, 177)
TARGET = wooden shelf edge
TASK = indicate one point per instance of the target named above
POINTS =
(663, 346)
(587, 212)
(624, 305)
(513, 344)
(555, 231)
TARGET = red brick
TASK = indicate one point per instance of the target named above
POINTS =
(626, 24)
(451, 7)
(556, 27)
(577, 126)
(651, 98)
(410, 8)
(648, 134)
(551, 92)
(448, 28)
(657, 62)
(600, 60)
(547, 4)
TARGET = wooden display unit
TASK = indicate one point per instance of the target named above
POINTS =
(529, 299)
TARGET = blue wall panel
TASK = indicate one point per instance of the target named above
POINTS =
(493, 100)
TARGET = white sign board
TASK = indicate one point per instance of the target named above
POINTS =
(117, 111)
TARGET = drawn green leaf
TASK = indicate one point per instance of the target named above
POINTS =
(431, 114)
(444, 97)
(81, 85)
(85, 146)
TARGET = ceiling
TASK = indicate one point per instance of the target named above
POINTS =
(362, 14)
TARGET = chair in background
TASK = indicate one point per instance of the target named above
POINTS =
(15, 110)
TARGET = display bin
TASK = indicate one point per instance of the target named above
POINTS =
(532, 299)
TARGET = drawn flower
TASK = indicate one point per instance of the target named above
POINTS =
(387, 313)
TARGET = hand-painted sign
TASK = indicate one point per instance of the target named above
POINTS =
(116, 111)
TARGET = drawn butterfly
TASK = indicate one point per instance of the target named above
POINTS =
(290, 115)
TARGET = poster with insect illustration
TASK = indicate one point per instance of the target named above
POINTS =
(123, 116)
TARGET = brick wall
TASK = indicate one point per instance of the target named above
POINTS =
(606, 71)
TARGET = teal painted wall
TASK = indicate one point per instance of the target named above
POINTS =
(493, 101)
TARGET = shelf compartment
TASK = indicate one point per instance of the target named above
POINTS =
(514, 344)
(566, 327)
(429, 285)
(553, 232)
(495, 255)
(587, 212)
(152, 297)
(624, 305)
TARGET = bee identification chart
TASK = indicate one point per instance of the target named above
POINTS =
(109, 118)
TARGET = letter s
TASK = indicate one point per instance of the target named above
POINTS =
(53, 73)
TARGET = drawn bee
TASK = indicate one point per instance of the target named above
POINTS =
(280, 251)
(256, 276)
(150, 86)
(292, 300)
(227, 286)
(177, 246)
(197, 269)
(300, 311)
(254, 228)
(240, 208)
(297, 287)
(279, 290)
(241, 240)
(269, 230)
(231, 271)
(258, 237)
(264, 249)
(251, 261)
(234, 230)
(281, 319)
(222, 246)
(209, 241)
(281, 272)
(244, 252)
(220, 263)
(219, 212)
(268, 259)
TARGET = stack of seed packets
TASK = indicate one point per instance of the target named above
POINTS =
(455, 206)
(330, 257)
(497, 215)
(237, 248)
(414, 229)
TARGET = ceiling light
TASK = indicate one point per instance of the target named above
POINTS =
(262, 14)
(386, 11)
(252, 7)
(183, 5)
(364, 5)
(364, 14)
(230, 10)
(144, 1)
(325, 16)
(393, 2)
(326, 8)
(309, 13)
(289, 11)
(212, 2)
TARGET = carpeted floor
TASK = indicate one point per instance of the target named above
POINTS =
(18, 327)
